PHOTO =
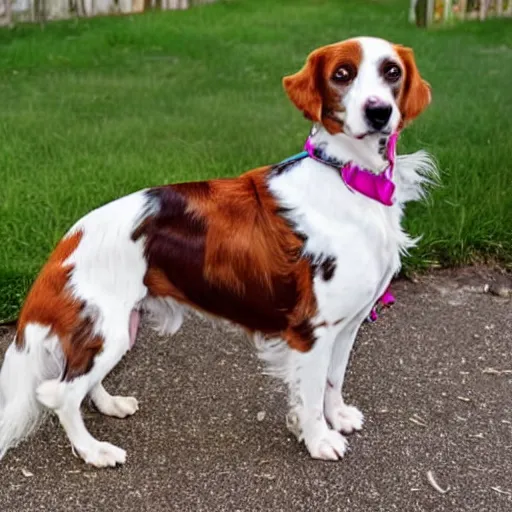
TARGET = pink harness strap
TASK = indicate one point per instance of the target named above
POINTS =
(387, 300)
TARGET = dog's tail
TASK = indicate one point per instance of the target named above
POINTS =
(23, 369)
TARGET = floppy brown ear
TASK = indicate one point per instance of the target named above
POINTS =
(415, 95)
(303, 88)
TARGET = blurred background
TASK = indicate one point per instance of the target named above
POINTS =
(96, 105)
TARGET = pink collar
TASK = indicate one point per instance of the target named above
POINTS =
(379, 187)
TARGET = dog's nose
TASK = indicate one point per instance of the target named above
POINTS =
(377, 112)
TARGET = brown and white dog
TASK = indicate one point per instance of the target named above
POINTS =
(289, 252)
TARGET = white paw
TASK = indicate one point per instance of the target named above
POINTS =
(102, 455)
(345, 418)
(327, 445)
(119, 406)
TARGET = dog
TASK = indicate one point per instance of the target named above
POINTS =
(296, 254)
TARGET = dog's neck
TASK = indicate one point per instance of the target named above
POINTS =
(368, 153)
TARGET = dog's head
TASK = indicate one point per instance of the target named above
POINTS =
(361, 87)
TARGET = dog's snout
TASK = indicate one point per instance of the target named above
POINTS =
(377, 112)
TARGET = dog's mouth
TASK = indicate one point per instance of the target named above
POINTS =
(363, 135)
(385, 131)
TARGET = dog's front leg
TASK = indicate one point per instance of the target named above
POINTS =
(343, 418)
(307, 381)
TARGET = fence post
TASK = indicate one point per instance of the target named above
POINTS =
(412, 11)
(463, 7)
(8, 12)
(483, 9)
(420, 12)
(447, 14)
(430, 12)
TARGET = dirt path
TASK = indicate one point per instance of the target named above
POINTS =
(433, 376)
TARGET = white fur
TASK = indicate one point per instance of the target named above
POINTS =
(22, 371)
(166, 315)
(108, 277)
(414, 174)
(367, 83)
(364, 236)
(366, 239)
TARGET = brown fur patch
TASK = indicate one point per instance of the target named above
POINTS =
(50, 303)
(312, 90)
(223, 247)
(415, 94)
(80, 348)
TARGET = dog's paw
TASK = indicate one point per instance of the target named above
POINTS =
(345, 418)
(123, 406)
(117, 406)
(102, 455)
(327, 445)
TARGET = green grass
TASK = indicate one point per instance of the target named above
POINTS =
(94, 109)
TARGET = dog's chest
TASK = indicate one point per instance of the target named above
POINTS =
(354, 263)
(353, 242)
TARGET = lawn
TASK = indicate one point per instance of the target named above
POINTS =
(95, 109)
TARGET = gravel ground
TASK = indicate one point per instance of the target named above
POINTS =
(433, 376)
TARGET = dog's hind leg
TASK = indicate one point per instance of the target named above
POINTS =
(118, 406)
(90, 358)
(65, 399)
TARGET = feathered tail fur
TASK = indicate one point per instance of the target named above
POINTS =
(23, 369)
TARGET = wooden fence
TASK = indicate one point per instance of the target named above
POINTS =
(43, 10)
(428, 12)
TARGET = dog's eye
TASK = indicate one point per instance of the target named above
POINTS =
(344, 74)
(392, 72)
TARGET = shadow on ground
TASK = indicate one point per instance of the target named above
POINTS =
(433, 376)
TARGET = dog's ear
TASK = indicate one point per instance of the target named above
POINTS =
(415, 95)
(304, 87)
